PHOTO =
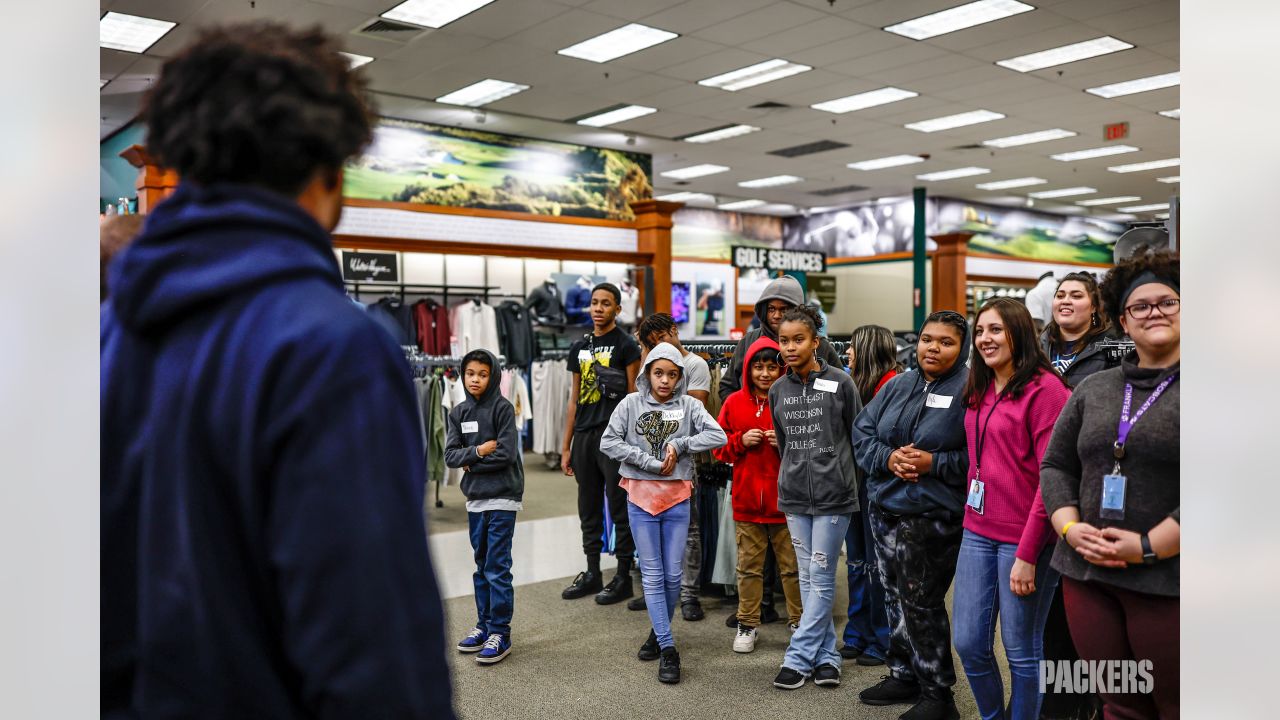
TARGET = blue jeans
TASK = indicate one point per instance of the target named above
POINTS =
(491, 533)
(660, 542)
(981, 594)
(868, 626)
(816, 539)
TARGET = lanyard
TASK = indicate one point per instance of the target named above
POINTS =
(1126, 422)
(981, 440)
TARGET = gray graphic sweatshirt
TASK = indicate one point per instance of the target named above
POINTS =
(814, 422)
(641, 428)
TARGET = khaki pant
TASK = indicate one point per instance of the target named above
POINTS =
(753, 539)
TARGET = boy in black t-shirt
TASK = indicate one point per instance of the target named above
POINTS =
(604, 364)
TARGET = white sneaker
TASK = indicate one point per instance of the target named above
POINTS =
(793, 627)
(745, 640)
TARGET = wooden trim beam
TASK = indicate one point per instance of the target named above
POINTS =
(447, 247)
(949, 272)
(480, 212)
(653, 225)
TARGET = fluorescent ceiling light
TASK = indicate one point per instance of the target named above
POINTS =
(1010, 184)
(1153, 165)
(865, 100)
(1171, 179)
(131, 33)
(954, 121)
(1109, 201)
(777, 208)
(688, 197)
(742, 205)
(616, 43)
(1065, 54)
(694, 171)
(757, 74)
(617, 115)
(1029, 138)
(953, 174)
(774, 181)
(1094, 153)
(1145, 208)
(482, 93)
(1064, 192)
(433, 13)
(723, 133)
(354, 61)
(886, 162)
(1117, 217)
(1175, 113)
(958, 18)
(1130, 87)
(1162, 216)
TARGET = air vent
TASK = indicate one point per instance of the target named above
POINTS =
(844, 190)
(381, 29)
(768, 105)
(809, 148)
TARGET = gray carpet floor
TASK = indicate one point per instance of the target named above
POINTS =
(548, 493)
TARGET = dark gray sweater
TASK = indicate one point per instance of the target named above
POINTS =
(1080, 454)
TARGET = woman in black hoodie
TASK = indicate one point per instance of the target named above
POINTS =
(910, 440)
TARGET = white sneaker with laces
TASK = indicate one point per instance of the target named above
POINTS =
(745, 640)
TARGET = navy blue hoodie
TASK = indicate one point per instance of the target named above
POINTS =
(263, 549)
(476, 421)
(909, 409)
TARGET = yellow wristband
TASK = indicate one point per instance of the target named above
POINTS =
(1067, 527)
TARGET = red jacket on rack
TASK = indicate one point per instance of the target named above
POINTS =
(755, 469)
(434, 335)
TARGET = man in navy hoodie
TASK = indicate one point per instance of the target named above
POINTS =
(263, 548)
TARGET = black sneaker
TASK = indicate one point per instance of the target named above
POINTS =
(586, 583)
(868, 660)
(932, 709)
(890, 691)
(637, 603)
(669, 667)
(732, 620)
(618, 589)
(650, 650)
(692, 610)
(788, 679)
(850, 653)
(827, 674)
(768, 615)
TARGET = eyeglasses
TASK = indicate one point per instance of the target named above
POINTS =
(1142, 311)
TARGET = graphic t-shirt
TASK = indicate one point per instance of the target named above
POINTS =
(1062, 361)
(614, 349)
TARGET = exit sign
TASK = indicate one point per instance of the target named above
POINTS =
(1115, 131)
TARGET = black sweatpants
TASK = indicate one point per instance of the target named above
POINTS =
(597, 477)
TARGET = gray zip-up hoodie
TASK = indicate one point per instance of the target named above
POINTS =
(476, 421)
(814, 423)
(641, 428)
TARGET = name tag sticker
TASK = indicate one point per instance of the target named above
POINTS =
(938, 401)
(825, 385)
(470, 426)
(673, 414)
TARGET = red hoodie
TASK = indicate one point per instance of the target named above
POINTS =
(755, 469)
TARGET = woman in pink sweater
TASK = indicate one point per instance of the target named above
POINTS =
(1013, 398)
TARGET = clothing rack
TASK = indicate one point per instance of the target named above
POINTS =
(484, 291)
(1116, 349)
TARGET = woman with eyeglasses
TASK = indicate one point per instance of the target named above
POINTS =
(1110, 485)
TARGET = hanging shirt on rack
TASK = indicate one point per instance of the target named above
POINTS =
(397, 318)
(551, 388)
(628, 314)
(515, 333)
(546, 303)
(434, 332)
(577, 304)
(475, 326)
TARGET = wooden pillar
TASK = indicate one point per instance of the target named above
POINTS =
(949, 272)
(653, 225)
(154, 182)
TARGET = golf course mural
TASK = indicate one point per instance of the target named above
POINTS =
(414, 162)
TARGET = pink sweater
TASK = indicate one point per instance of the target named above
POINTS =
(1014, 443)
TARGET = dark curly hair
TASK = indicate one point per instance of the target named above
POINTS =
(1161, 263)
(803, 314)
(258, 103)
(657, 323)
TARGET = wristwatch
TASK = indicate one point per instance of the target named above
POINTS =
(1148, 555)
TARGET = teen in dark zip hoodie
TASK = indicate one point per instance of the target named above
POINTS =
(813, 406)
(910, 440)
(482, 437)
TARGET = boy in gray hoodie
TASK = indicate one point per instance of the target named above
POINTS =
(654, 434)
(482, 438)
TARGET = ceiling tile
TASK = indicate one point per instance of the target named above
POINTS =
(633, 10)
(693, 15)
(502, 19)
(758, 24)
(828, 29)
(714, 64)
(679, 51)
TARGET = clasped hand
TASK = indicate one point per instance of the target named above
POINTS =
(909, 463)
(1106, 547)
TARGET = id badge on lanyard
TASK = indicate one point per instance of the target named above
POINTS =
(1114, 484)
(977, 495)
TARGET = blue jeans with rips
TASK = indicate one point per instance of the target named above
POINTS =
(817, 540)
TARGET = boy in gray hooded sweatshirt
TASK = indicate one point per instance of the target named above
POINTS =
(654, 433)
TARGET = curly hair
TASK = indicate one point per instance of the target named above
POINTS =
(803, 314)
(1099, 324)
(655, 324)
(258, 103)
(1161, 263)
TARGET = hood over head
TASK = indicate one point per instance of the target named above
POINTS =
(962, 360)
(495, 373)
(761, 343)
(205, 244)
(785, 288)
(662, 351)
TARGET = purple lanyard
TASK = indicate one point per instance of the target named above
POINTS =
(1126, 422)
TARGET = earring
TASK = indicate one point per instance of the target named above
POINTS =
(1095, 319)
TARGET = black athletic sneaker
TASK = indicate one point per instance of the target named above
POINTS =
(585, 584)
(692, 610)
(650, 650)
(732, 620)
(827, 674)
(890, 691)
(788, 679)
(932, 709)
(768, 615)
(618, 589)
(669, 667)
(637, 603)
(848, 652)
(866, 659)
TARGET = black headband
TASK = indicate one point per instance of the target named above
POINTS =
(1146, 278)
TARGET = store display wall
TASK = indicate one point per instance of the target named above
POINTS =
(877, 293)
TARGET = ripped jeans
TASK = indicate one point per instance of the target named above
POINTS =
(817, 540)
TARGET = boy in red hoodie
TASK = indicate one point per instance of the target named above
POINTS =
(752, 450)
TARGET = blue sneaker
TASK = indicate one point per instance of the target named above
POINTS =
(472, 642)
(495, 648)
